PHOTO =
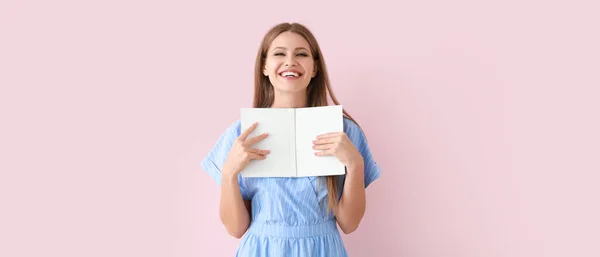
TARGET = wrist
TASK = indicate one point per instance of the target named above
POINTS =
(228, 178)
(356, 164)
(228, 175)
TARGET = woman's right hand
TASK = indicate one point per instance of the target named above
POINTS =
(241, 153)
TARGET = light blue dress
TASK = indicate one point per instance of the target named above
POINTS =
(289, 215)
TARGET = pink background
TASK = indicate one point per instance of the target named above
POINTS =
(483, 116)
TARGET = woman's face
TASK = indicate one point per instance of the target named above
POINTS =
(289, 63)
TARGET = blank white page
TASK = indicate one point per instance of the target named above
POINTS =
(279, 123)
(311, 122)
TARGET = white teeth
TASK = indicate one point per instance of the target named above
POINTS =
(289, 73)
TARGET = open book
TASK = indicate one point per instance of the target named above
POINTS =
(291, 132)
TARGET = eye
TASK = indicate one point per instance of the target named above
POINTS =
(302, 54)
(279, 54)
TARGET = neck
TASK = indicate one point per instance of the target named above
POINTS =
(289, 100)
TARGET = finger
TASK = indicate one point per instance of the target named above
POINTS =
(324, 141)
(247, 131)
(324, 153)
(258, 151)
(256, 139)
(323, 146)
(254, 156)
(328, 135)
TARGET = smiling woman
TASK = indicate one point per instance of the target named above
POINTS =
(289, 69)
(291, 216)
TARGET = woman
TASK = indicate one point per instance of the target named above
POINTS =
(291, 216)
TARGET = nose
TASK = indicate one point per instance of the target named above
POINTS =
(290, 60)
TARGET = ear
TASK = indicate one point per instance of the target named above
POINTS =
(265, 72)
(314, 71)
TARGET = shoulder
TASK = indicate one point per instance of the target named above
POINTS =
(228, 136)
(233, 129)
(350, 125)
(352, 129)
(354, 133)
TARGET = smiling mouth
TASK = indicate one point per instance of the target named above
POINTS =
(290, 74)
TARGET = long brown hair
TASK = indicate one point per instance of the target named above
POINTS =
(317, 91)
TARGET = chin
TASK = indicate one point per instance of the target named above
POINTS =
(289, 88)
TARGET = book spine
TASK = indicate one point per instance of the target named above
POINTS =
(294, 151)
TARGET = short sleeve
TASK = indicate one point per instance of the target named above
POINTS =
(356, 135)
(214, 160)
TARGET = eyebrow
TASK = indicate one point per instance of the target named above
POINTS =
(280, 47)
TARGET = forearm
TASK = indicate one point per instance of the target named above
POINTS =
(352, 204)
(232, 210)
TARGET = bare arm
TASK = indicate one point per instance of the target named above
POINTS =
(351, 207)
(234, 211)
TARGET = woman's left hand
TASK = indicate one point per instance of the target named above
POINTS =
(339, 145)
